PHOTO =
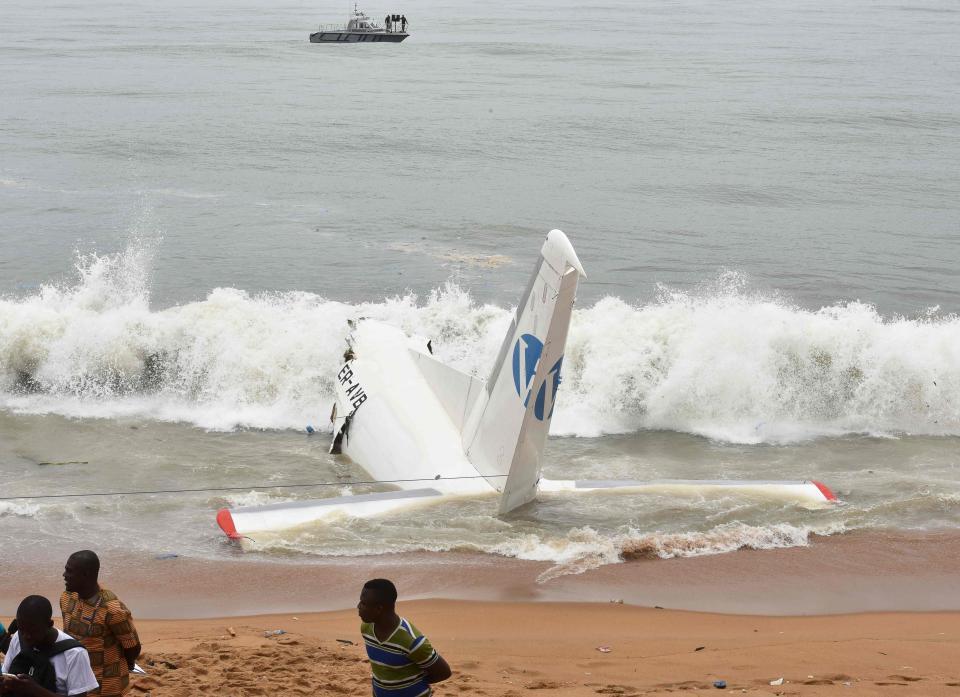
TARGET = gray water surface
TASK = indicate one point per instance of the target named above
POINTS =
(193, 200)
(813, 147)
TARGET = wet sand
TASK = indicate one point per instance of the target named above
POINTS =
(857, 572)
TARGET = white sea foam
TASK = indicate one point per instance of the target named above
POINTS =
(578, 550)
(583, 549)
(719, 362)
(250, 498)
(740, 368)
(22, 509)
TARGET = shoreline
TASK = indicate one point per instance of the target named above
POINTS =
(856, 572)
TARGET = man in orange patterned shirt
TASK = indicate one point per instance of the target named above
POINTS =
(97, 619)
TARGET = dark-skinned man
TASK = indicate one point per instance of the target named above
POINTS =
(40, 650)
(403, 662)
(95, 617)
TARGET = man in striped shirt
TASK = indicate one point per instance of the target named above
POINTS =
(403, 662)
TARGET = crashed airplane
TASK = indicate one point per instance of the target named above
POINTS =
(435, 432)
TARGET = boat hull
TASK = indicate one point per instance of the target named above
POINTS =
(353, 37)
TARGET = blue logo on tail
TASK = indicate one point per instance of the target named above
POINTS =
(526, 356)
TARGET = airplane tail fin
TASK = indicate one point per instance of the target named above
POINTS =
(506, 430)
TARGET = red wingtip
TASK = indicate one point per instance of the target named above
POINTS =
(225, 521)
(824, 489)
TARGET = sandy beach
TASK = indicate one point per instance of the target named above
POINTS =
(871, 614)
(513, 649)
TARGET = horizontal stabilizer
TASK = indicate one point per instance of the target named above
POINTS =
(456, 391)
(239, 522)
(806, 491)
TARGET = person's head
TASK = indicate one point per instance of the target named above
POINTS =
(34, 622)
(81, 571)
(377, 599)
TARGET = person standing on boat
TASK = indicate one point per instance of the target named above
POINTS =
(403, 23)
(386, 22)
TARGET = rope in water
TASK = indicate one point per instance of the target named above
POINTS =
(242, 488)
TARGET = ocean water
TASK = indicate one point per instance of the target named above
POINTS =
(194, 200)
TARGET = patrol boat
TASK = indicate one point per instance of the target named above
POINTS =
(360, 28)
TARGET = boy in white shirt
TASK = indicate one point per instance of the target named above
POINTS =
(40, 646)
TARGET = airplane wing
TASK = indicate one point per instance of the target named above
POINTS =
(236, 523)
(806, 491)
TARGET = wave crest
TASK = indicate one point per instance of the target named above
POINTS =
(720, 362)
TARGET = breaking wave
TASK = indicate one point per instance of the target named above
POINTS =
(721, 362)
(577, 551)
(584, 549)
